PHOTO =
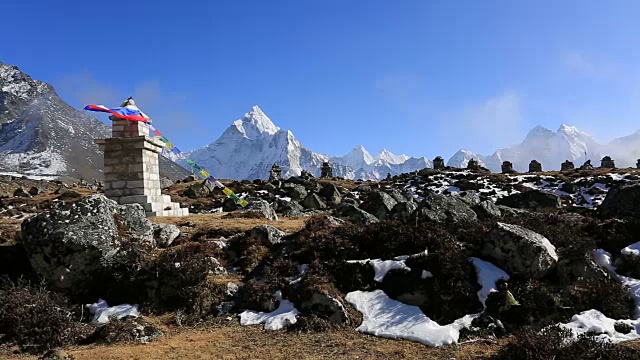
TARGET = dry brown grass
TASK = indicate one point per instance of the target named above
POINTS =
(209, 222)
(8, 230)
(232, 341)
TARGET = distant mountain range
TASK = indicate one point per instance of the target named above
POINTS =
(252, 144)
(553, 148)
(42, 135)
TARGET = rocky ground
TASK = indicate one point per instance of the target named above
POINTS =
(314, 265)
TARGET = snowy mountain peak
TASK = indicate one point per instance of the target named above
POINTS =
(570, 130)
(391, 158)
(358, 158)
(16, 83)
(256, 123)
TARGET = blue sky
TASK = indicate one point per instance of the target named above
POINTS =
(420, 77)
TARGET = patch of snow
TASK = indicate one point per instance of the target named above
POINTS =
(593, 321)
(633, 249)
(487, 274)
(382, 267)
(285, 315)
(392, 319)
(103, 313)
(603, 259)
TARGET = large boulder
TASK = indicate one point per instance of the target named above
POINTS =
(199, 190)
(403, 210)
(520, 251)
(295, 191)
(71, 245)
(165, 234)
(292, 209)
(313, 202)
(355, 214)
(622, 200)
(534, 200)
(379, 204)
(440, 208)
(487, 210)
(331, 193)
(261, 208)
(268, 234)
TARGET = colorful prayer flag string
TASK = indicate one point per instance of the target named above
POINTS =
(199, 170)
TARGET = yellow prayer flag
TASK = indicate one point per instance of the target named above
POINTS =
(204, 173)
(243, 202)
(227, 191)
(169, 145)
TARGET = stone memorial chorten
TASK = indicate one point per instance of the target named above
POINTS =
(131, 170)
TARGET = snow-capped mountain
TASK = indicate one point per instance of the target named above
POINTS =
(252, 144)
(548, 147)
(40, 134)
(461, 158)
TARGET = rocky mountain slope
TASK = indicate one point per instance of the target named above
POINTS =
(252, 144)
(42, 135)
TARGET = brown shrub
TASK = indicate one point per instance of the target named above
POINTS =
(555, 343)
(36, 320)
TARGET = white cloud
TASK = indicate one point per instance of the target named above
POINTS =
(496, 121)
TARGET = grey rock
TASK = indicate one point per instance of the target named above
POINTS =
(398, 196)
(403, 210)
(165, 234)
(325, 306)
(33, 191)
(440, 208)
(379, 204)
(189, 178)
(70, 245)
(520, 251)
(534, 200)
(622, 200)
(470, 198)
(356, 214)
(268, 234)
(199, 190)
(313, 201)
(262, 207)
(292, 209)
(487, 210)
(572, 271)
(295, 191)
(331, 193)
(165, 182)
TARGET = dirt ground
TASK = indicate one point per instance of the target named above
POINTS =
(232, 341)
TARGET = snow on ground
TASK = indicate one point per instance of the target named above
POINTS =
(103, 313)
(633, 249)
(389, 318)
(31, 177)
(593, 321)
(382, 267)
(487, 274)
(590, 190)
(285, 315)
(603, 259)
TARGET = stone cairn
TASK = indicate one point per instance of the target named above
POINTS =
(535, 166)
(507, 167)
(587, 165)
(131, 170)
(275, 173)
(306, 175)
(607, 163)
(438, 163)
(638, 164)
(567, 166)
(326, 171)
(473, 165)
